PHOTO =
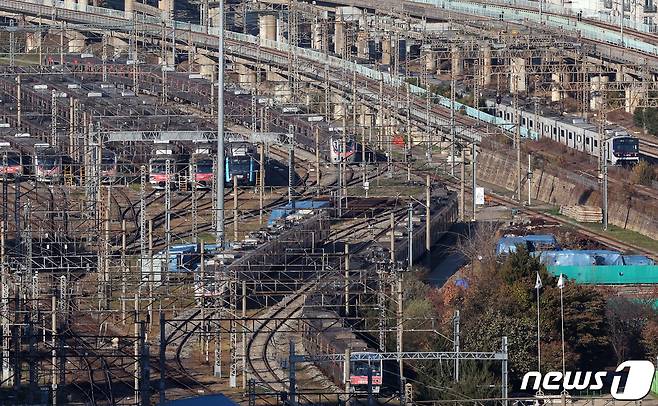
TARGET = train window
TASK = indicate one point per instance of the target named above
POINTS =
(570, 136)
(596, 143)
(579, 138)
(554, 131)
(532, 124)
(507, 116)
(586, 140)
(523, 121)
(561, 133)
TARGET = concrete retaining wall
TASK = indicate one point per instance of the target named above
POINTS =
(559, 187)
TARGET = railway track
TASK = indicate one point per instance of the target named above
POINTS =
(454, 185)
(260, 354)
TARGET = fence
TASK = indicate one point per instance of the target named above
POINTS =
(609, 275)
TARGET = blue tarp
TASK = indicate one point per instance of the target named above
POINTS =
(295, 206)
(507, 244)
(184, 257)
(637, 260)
(580, 258)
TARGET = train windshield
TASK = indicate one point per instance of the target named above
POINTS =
(338, 145)
(239, 165)
(50, 162)
(626, 144)
(204, 166)
(107, 162)
(360, 368)
(13, 159)
(160, 167)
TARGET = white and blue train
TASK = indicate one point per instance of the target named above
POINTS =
(575, 133)
(241, 163)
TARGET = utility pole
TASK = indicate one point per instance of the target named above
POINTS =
(453, 130)
(341, 153)
(604, 152)
(261, 176)
(392, 241)
(235, 208)
(410, 225)
(317, 161)
(219, 176)
(53, 343)
(462, 188)
(18, 102)
(291, 171)
(456, 336)
(347, 279)
(400, 331)
(474, 170)
(165, 278)
(428, 236)
(529, 179)
(605, 187)
(517, 144)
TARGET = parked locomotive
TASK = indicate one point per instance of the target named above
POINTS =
(201, 167)
(11, 162)
(39, 159)
(337, 155)
(108, 166)
(163, 167)
(620, 148)
(240, 163)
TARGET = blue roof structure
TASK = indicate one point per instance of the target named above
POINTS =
(508, 244)
(290, 208)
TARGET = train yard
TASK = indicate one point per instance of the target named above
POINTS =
(166, 235)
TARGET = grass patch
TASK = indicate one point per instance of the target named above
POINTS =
(22, 60)
(621, 234)
(624, 235)
(555, 211)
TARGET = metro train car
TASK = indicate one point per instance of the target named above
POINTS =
(359, 372)
(11, 162)
(337, 155)
(159, 174)
(38, 158)
(623, 149)
(241, 163)
(108, 166)
(201, 167)
(49, 164)
(574, 132)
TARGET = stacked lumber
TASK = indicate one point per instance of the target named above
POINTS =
(583, 214)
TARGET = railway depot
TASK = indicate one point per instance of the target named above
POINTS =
(300, 203)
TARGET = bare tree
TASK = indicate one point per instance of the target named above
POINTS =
(480, 244)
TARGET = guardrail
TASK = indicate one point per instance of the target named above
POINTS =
(599, 15)
(568, 23)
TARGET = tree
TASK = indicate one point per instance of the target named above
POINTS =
(476, 381)
(502, 301)
(648, 118)
(626, 320)
(480, 246)
(650, 339)
(585, 332)
(643, 174)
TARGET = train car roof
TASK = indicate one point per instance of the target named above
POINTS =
(329, 325)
